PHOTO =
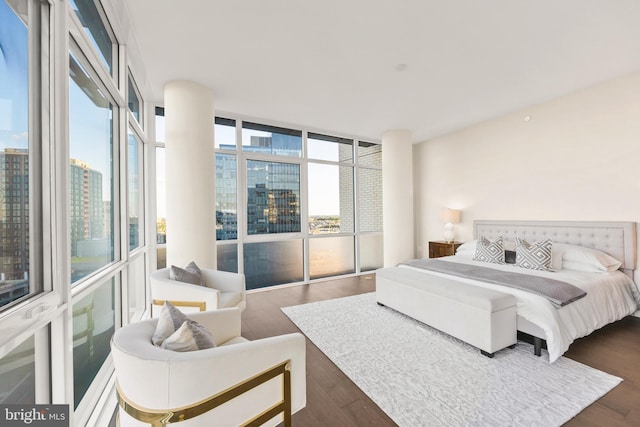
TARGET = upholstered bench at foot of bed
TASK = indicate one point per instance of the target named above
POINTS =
(482, 317)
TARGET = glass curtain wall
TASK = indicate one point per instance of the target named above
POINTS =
(286, 207)
(72, 203)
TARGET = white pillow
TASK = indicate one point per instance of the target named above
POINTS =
(509, 245)
(591, 257)
(556, 257)
(580, 266)
(467, 248)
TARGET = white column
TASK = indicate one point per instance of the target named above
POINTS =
(191, 174)
(397, 196)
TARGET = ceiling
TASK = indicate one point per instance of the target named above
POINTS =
(360, 67)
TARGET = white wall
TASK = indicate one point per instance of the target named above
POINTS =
(577, 158)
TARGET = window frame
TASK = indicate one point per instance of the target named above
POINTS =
(131, 84)
(141, 192)
(79, 33)
(118, 203)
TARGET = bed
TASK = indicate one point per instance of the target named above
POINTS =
(610, 295)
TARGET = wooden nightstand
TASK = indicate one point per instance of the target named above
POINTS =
(440, 248)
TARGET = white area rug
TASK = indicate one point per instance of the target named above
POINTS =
(422, 377)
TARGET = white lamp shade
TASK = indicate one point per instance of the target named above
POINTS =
(451, 216)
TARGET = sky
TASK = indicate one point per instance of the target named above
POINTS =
(14, 84)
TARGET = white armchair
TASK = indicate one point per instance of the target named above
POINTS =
(222, 290)
(156, 384)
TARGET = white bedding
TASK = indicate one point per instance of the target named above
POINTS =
(610, 297)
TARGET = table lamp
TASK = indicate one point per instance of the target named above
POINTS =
(450, 217)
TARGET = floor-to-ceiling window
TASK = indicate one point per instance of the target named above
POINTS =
(294, 205)
(24, 289)
(331, 207)
(369, 173)
(134, 292)
(95, 197)
(74, 255)
(161, 204)
(106, 193)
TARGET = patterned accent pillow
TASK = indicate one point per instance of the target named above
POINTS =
(169, 321)
(190, 336)
(535, 256)
(190, 274)
(487, 251)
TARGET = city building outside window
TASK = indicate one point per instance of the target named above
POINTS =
(273, 197)
(226, 197)
(265, 139)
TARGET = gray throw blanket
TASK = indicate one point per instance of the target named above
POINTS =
(557, 292)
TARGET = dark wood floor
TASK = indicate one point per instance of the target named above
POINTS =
(333, 400)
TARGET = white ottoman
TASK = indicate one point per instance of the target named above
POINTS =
(482, 317)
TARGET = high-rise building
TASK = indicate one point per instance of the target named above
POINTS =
(226, 197)
(278, 143)
(86, 205)
(273, 197)
(14, 215)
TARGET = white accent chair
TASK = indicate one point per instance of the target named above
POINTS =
(223, 290)
(154, 383)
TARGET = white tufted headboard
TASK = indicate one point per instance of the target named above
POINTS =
(617, 239)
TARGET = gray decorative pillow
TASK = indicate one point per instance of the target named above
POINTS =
(487, 251)
(169, 321)
(190, 336)
(509, 256)
(190, 274)
(535, 256)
